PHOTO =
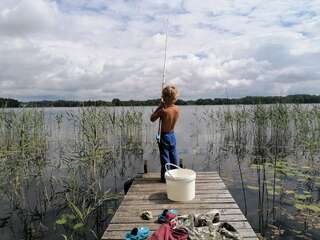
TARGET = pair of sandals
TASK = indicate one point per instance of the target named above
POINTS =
(143, 233)
(140, 233)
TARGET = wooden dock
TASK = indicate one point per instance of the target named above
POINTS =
(148, 193)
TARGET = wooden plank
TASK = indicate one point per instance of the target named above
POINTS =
(161, 186)
(155, 226)
(167, 201)
(157, 181)
(157, 175)
(199, 188)
(156, 192)
(113, 233)
(157, 188)
(148, 193)
(157, 212)
(246, 234)
(163, 196)
(198, 180)
(119, 234)
(128, 218)
(180, 206)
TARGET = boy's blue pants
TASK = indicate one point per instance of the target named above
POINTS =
(168, 151)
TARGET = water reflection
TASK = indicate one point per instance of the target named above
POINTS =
(62, 170)
(57, 170)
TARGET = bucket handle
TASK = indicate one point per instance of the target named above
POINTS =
(167, 170)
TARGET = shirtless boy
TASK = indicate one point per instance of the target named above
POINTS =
(168, 112)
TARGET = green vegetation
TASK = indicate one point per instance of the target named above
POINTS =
(238, 142)
(10, 103)
(34, 185)
(249, 100)
(64, 161)
(282, 144)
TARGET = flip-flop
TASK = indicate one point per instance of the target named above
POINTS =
(140, 233)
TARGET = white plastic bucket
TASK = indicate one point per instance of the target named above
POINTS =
(181, 183)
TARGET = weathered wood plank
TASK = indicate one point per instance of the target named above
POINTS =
(118, 235)
(157, 180)
(152, 207)
(198, 192)
(155, 226)
(167, 201)
(247, 234)
(159, 186)
(156, 174)
(133, 197)
(198, 178)
(136, 219)
(199, 188)
(156, 212)
(148, 193)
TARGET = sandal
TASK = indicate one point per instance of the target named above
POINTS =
(140, 233)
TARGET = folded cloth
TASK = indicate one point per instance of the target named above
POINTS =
(206, 227)
(140, 233)
(167, 215)
(167, 231)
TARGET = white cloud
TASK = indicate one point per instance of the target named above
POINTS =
(27, 17)
(101, 49)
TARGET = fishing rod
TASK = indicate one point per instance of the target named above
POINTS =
(158, 138)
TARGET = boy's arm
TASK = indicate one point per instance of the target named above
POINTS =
(157, 113)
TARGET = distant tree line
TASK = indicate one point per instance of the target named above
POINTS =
(10, 103)
(298, 98)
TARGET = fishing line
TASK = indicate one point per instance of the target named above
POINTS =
(158, 138)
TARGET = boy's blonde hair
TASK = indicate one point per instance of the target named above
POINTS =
(170, 94)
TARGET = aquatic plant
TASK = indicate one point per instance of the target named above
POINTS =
(104, 137)
(237, 120)
(76, 155)
(101, 139)
(273, 135)
(23, 150)
(260, 125)
(277, 145)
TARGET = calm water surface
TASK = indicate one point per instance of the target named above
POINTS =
(201, 144)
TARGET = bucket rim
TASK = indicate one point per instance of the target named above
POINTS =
(190, 178)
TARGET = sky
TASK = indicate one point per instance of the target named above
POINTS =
(105, 49)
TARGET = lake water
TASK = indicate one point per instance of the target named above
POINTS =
(288, 203)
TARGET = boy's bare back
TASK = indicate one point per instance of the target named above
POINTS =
(168, 112)
(169, 116)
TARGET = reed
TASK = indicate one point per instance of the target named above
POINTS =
(69, 174)
(101, 137)
(281, 144)
(104, 139)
